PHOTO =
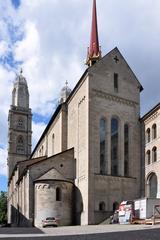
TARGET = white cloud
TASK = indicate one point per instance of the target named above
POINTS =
(29, 46)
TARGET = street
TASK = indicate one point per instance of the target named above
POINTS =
(99, 232)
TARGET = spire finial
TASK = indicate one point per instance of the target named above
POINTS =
(21, 71)
(94, 52)
(66, 83)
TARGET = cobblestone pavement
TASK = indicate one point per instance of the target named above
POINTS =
(99, 232)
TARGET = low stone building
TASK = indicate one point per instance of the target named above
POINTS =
(88, 158)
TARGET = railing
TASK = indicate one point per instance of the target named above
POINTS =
(156, 214)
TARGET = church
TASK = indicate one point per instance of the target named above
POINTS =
(89, 157)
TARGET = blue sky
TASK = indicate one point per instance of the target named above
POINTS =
(16, 3)
(49, 40)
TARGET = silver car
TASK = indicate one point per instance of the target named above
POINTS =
(49, 222)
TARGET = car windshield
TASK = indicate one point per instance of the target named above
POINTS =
(50, 218)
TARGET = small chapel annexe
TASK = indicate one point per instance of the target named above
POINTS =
(88, 158)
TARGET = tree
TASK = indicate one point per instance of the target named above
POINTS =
(3, 207)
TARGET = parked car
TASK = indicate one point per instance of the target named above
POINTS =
(49, 222)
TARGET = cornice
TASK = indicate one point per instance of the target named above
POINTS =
(114, 98)
(152, 117)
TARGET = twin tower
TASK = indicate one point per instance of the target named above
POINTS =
(19, 124)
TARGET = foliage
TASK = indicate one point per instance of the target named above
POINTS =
(3, 207)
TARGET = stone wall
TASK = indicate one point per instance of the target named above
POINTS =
(78, 138)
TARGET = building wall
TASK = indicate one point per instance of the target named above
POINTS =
(78, 138)
(55, 139)
(111, 190)
(152, 167)
(123, 105)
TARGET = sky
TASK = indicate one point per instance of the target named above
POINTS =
(48, 39)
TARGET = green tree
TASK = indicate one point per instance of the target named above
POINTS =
(3, 207)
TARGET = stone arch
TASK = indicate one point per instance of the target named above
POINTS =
(154, 131)
(20, 123)
(154, 154)
(115, 126)
(152, 184)
(126, 149)
(58, 194)
(148, 135)
(102, 145)
(148, 157)
(115, 206)
(53, 144)
(20, 144)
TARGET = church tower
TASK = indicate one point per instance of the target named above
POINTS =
(19, 124)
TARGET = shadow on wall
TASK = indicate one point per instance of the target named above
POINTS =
(77, 206)
(18, 219)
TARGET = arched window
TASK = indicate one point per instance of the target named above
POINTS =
(102, 133)
(58, 194)
(115, 206)
(53, 144)
(126, 150)
(154, 154)
(148, 157)
(114, 146)
(152, 186)
(154, 131)
(20, 145)
(20, 123)
(102, 206)
(148, 135)
(42, 150)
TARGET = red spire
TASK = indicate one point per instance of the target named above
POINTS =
(94, 52)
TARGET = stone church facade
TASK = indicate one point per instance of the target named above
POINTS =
(89, 158)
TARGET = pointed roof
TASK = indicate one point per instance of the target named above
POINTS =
(52, 174)
(94, 42)
(20, 79)
(94, 52)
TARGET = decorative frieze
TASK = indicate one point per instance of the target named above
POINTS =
(104, 95)
(152, 117)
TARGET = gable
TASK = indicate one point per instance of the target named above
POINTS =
(52, 174)
(103, 73)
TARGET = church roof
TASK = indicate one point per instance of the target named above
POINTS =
(22, 165)
(26, 164)
(52, 174)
